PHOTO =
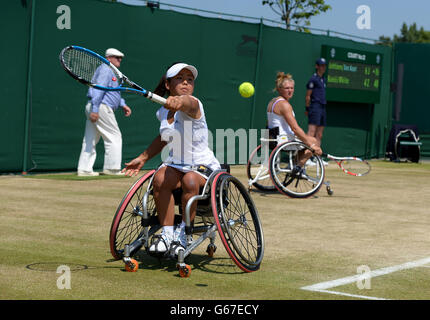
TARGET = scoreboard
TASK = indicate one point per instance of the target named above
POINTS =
(352, 75)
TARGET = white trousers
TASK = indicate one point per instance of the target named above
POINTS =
(107, 128)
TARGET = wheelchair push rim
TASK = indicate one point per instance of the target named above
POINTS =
(281, 163)
(237, 221)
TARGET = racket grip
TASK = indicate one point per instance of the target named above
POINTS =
(156, 98)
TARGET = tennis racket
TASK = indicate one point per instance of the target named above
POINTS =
(351, 165)
(81, 64)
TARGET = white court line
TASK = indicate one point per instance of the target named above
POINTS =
(348, 294)
(323, 286)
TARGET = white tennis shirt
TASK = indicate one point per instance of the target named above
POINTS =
(187, 139)
(274, 120)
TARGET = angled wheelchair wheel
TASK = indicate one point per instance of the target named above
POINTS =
(127, 224)
(257, 170)
(291, 180)
(237, 222)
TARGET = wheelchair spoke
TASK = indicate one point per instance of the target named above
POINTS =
(245, 227)
(239, 223)
(129, 230)
(241, 234)
(288, 177)
(127, 224)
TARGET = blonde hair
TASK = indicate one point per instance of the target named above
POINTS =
(281, 77)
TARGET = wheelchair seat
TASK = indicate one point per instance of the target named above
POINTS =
(177, 195)
(205, 203)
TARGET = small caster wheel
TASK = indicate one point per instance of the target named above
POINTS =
(185, 271)
(132, 265)
(329, 191)
(211, 250)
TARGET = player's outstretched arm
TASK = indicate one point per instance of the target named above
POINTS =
(133, 167)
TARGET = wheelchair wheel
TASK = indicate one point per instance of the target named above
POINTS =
(290, 179)
(255, 167)
(127, 223)
(237, 222)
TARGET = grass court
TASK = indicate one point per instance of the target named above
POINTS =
(313, 247)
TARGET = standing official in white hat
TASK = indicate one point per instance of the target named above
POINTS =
(101, 121)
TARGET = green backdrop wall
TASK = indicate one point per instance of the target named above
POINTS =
(415, 106)
(43, 116)
(13, 84)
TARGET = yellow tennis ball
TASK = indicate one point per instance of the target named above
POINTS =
(246, 89)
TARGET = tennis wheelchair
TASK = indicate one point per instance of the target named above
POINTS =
(280, 171)
(223, 206)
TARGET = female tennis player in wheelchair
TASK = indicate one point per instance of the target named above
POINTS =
(191, 178)
(290, 147)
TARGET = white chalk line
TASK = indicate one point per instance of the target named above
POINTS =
(348, 294)
(323, 286)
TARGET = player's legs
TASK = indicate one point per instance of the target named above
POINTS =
(165, 181)
(305, 155)
(88, 151)
(312, 130)
(319, 134)
(112, 138)
(191, 183)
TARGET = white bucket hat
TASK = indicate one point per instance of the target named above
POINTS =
(113, 52)
(174, 70)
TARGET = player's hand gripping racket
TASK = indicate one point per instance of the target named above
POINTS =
(351, 165)
(81, 64)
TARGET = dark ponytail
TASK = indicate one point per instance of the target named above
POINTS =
(161, 89)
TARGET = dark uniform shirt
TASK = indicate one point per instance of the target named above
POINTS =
(317, 85)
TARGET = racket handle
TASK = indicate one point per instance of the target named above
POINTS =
(324, 155)
(156, 98)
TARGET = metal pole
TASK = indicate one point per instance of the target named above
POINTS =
(257, 69)
(389, 113)
(28, 100)
(372, 115)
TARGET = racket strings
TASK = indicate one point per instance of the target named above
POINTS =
(82, 64)
(356, 166)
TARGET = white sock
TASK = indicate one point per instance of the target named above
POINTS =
(168, 230)
(182, 225)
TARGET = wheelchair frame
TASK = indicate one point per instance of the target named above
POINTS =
(213, 190)
(268, 170)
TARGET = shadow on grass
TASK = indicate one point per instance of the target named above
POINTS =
(264, 192)
(54, 266)
(275, 194)
(220, 265)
